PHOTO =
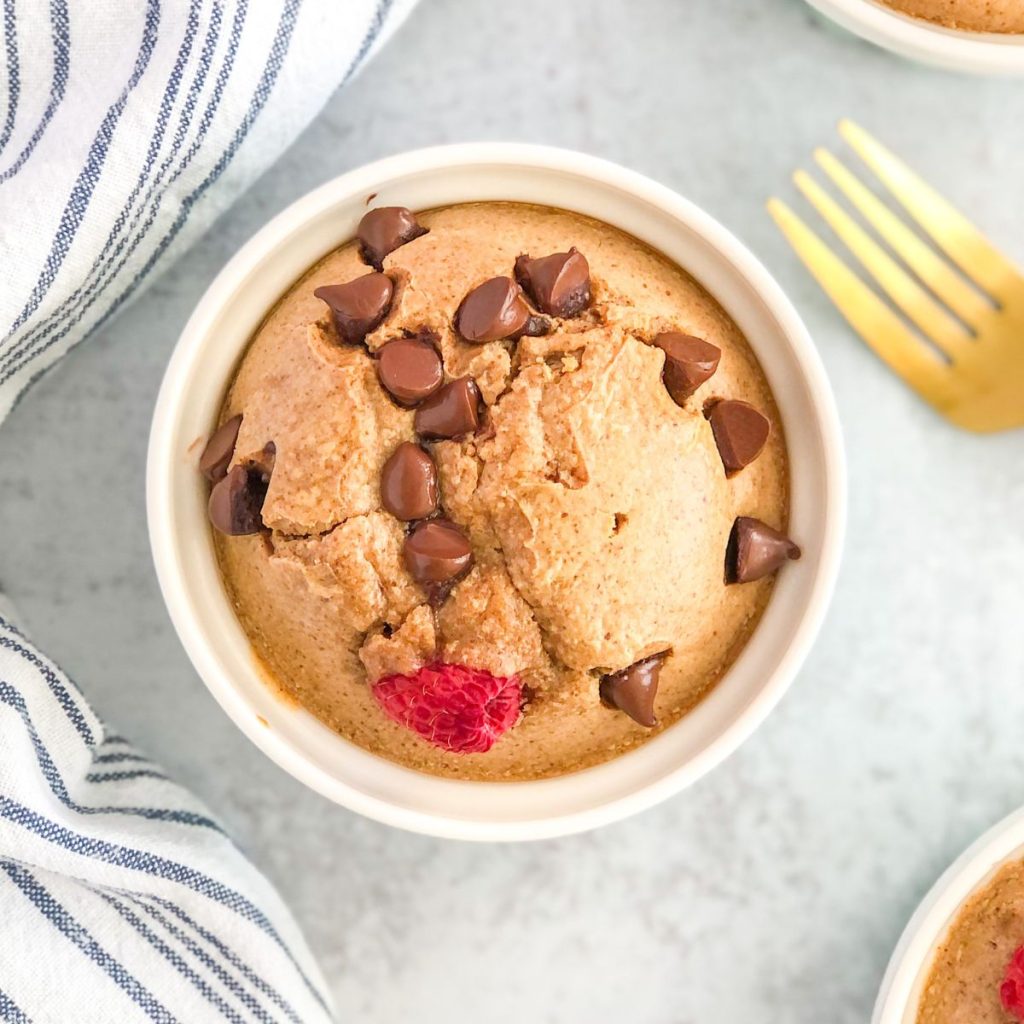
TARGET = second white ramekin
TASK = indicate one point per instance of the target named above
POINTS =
(193, 389)
(900, 994)
(982, 53)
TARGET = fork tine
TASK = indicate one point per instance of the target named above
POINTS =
(943, 280)
(869, 316)
(904, 291)
(957, 236)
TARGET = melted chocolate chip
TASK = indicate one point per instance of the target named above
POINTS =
(689, 362)
(740, 433)
(385, 229)
(559, 284)
(453, 411)
(495, 310)
(358, 306)
(410, 369)
(755, 550)
(237, 500)
(408, 483)
(216, 457)
(633, 689)
(437, 554)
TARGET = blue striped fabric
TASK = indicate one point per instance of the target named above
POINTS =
(126, 899)
(126, 126)
(175, 124)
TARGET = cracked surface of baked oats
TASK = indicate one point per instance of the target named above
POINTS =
(598, 509)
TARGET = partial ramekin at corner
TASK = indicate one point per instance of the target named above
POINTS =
(981, 53)
(202, 366)
(907, 974)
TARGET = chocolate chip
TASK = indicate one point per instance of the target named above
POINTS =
(437, 554)
(559, 284)
(385, 229)
(755, 550)
(358, 306)
(740, 433)
(689, 362)
(410, 369)
(633, 689)
(495, 310)
(237, 500)
(216, 457)
(451, 412)
(408, 483)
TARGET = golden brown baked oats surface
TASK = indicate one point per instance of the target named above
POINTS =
(968, 969)
(598, 509)
(972, 15)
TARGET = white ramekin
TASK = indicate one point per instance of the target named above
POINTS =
(982, 53)
(904, 981)
(194, 386)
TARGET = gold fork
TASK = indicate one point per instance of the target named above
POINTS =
(966, 356)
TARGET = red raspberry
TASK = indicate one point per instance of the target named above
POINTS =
(1011, 992)
(461, 709)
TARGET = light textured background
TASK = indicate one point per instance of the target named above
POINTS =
(776, 888)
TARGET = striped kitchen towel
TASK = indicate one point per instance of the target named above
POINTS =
(126, 126)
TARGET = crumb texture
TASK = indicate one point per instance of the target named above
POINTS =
(598, 509)
(969, 967)
(1005, 16)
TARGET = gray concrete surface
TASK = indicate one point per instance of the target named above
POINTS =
(775, 889)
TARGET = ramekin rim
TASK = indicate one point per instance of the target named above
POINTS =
(171, 575)
(928, 925)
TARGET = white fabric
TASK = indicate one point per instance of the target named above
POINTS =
(120, 897)
(125, 127)
(135, 123)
